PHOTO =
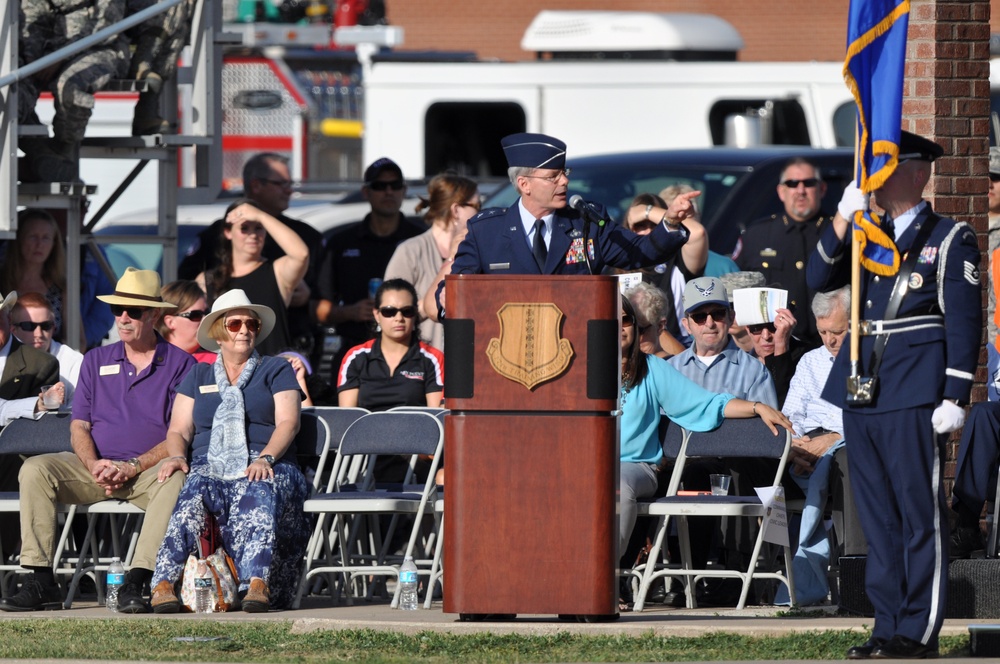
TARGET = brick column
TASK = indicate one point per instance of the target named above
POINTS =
(947, 99)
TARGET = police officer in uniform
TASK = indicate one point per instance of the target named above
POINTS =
(778, 246)
(539, 234)
(928, 352)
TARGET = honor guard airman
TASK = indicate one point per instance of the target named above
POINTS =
(920, 345)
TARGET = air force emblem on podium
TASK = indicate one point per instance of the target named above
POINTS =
(529, 350)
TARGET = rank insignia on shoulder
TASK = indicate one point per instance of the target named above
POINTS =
(927, 255)
(489, 213)
(971, 272)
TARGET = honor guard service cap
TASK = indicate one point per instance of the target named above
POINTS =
(534, 151)
(995, 161)
(704, 290)
(912, 146)
(379, 166)
(736, 280)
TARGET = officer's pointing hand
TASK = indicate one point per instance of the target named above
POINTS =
(681, 207)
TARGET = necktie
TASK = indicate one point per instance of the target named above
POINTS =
(538, 245)
(889, 227)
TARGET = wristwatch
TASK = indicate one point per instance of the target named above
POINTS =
(268, 459)
(134, 462)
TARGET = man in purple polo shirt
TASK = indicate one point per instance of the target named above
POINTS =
(120, 415)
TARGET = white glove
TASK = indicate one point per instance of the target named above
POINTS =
(948, 417)
(852, 201)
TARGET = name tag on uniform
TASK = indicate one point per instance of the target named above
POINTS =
(208, 389)
(499, 266)
(110, 369)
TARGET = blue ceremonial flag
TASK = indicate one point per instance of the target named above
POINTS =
(873, 70)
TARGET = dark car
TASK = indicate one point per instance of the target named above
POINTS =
(738, 185)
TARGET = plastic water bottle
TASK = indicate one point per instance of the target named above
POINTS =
(204, 589)
(408, 585)
(116, 579)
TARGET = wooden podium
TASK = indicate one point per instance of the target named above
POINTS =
(531, 446)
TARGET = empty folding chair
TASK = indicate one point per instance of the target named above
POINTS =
(353, 492)
(734, 439)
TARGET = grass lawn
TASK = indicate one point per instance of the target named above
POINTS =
(174, 640)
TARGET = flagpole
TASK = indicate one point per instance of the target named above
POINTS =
(855, 270)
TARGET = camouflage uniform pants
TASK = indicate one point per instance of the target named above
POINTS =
(159, 41)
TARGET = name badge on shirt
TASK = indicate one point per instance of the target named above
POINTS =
(110, 369)
(208, 389)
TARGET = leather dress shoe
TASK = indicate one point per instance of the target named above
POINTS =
(165, 599)
(965, 540)
(865, 650)
(258, 597)
(130, 599)
(902, 647)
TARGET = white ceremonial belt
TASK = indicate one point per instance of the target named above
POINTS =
(911, 324)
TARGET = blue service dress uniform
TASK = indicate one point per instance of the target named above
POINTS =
(496, 244)
(896, 459)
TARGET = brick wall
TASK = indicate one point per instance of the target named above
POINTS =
(781, 30)
(947, 99)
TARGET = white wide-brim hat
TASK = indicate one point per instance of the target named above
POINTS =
(230, 301)
(9, 301)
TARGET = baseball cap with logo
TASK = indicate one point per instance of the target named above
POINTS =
(381, 165)
(704, 290)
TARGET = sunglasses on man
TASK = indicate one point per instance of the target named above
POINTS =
(808, 183)
(29, 326)
(132, 310)
(382, 185)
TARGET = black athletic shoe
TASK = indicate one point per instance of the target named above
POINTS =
(33, 596)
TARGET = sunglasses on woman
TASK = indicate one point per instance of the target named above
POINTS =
(234, 325)
(29, 326)
(390, 312)
(194, 315)
(760, 327)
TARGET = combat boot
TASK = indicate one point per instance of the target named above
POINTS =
(54, 161)
(147, 120)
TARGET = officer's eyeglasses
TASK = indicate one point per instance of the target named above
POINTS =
(390, 312)
(760, 327)
(552, 178)
(29, 326)
(718, 315)
(809, 183)
(382, 185)
(234, 325)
